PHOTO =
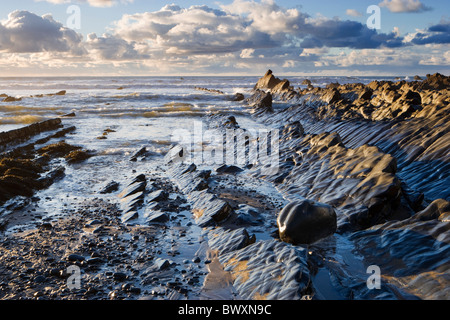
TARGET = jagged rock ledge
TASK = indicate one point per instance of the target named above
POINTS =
(379, 155)
(23, 134)
(27, 168)
(417, 139)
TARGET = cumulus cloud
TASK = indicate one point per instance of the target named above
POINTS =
(400, 6)
(244, 35)
(353, 13)
(247, 53)
(242, 25)
(196, 30)
(266, 16)
(24, 31)
(109, 47)
(335, 33)
(443, 26)
(436, 34)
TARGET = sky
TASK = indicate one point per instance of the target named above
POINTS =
(224, 37)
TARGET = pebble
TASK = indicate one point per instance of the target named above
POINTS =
(40, 279)
(75, 257)
(135, 290)
(126, 286)
(119, 276)
(94, 222)
(46, 225)
(95, 260)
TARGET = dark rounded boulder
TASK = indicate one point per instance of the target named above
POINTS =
(238, 97)
(306, 221)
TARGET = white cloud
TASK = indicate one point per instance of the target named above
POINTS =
(24, 31)
(109, 47)
(266, 16)
(244, 35)
(242, 25)
(399, 6)
(247, 53)
(353, 13)
(194, 30)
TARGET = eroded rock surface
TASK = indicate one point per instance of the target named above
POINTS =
(378, 154)
(361, 180)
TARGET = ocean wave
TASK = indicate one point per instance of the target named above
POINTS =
(12, 108)
(181, 111)
(23, 119)
(152, 114)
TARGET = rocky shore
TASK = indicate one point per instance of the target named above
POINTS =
(362, 180)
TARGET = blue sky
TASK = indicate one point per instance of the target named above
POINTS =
(322, 37)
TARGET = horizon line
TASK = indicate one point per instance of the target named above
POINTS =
(208, 75)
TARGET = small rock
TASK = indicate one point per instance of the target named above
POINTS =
(131, 215)
(158, 217)
(228, 169)
(306, 82)
(138, 154)
(366, 94)
(135, 290)
(40, 279)
(110, 187)
(12, 99)
(238, 97)
(46, 225)
(126, 286)
(98, 230)
(192, 167)
(331, 96)
(120, 276)
(54, 272)
(159, 195)
(94, 222)
(78, 156)
(75, 257)
(161, 264)
(95, 260)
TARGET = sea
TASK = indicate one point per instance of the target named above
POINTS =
(116, 116)
(106, 99)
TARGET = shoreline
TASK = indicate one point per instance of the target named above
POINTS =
(201, 232)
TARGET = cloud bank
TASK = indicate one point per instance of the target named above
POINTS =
(401, 6)
(24, 31)
(244, 36)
